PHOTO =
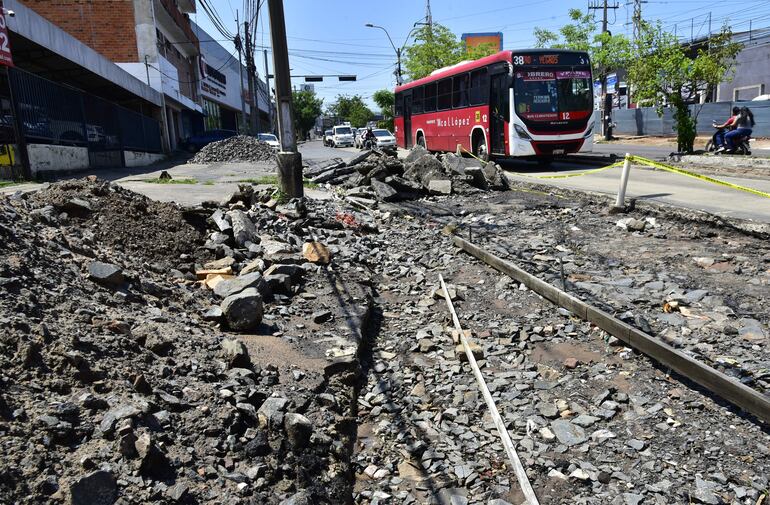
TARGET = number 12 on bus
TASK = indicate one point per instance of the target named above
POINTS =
(536, 103)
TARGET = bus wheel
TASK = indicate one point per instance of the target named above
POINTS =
(480, 148)
(421, 141)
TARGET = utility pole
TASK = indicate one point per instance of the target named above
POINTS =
(637, 22)
(254, 116)
(269, 96)
(239, 47)
(289, 160)
(607, 97)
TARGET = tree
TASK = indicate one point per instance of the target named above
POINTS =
(385, 99)
(307, 107)
(607, 52)
(436, 47)
(351, 108)
(667, 72)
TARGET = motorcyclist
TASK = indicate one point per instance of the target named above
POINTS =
(369, 135)
(743, 128)
(719, 136)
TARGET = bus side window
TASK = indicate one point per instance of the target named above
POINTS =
(460, 91)
(479, 92)
(429, 100)
(417, 100)
(444, 94)
(398, 108)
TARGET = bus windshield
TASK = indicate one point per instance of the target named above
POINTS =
(552, 95)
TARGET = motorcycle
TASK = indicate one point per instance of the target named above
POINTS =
(742, 144)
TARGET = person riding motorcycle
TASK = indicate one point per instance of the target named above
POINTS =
(719, 136)
(743, 128)
(369, 136)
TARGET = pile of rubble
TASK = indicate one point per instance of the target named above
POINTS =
(119, 379)
(374, 176)
(239, 148)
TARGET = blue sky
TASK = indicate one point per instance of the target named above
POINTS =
(329, 37)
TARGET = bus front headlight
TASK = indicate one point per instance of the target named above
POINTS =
(521, 132)
(589, 131)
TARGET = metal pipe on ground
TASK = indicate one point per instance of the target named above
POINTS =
(713, 380)
(521, 474)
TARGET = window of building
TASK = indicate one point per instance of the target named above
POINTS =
(213, 119)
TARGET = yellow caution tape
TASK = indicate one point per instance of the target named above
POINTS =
(694, 175)
(551, 176)
(571, 174)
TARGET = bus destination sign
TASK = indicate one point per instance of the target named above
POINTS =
(546, 59)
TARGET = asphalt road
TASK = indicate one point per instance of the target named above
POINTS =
(659, 186)
(214, 181)
(643, 184)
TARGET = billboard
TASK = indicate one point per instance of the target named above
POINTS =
(476, 39)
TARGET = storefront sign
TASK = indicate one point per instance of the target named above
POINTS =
(6, 58)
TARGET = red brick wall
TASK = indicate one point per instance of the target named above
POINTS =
(107, 26)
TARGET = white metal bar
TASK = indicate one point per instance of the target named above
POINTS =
(518, 468)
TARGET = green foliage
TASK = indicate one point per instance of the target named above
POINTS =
(385, 99)
(351, 108)
(607, 52)
(666, 72)
(307, 107)
(436, 48)
(171, 181)
(272, 180)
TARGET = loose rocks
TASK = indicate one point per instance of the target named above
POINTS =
(239, 148)
(243, 311)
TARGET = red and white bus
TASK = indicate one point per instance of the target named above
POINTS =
(532, 102)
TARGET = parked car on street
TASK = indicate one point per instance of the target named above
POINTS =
(270, 139)
(384, 138)
(342, 136)
(194, 143)
(328, 134)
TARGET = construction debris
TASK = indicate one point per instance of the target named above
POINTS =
(375, 176)
(239, 148)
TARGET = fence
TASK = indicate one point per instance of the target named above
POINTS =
(645, 120)
(52, 113)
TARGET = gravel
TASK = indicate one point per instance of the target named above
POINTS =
(242, 148)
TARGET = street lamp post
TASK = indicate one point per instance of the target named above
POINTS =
(398, 51)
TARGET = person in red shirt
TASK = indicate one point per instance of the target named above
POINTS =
(719, 136)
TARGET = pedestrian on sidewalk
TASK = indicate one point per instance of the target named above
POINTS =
(743, 128)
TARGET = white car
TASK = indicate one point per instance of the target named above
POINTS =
(270, 140)
(384, 138)
(342, 136)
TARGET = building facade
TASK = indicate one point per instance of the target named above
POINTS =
(224, 88)
(66, 106)
(153, 40)
(752, 71)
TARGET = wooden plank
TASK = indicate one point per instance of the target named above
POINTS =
(521, 474)
(722, 385)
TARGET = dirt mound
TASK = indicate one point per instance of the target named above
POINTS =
(119, 218)
(117, 385)
(240, 148)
